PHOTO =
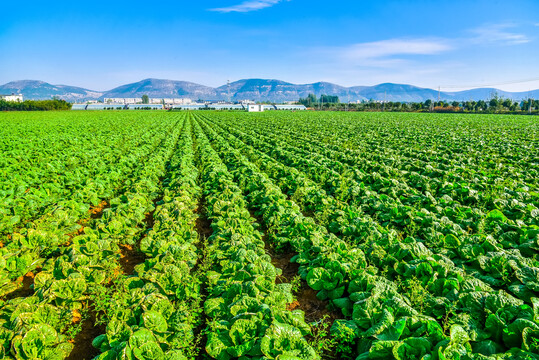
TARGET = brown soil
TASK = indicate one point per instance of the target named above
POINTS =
(314, 309)
(149, 221)
(307, 213)
(26, 289)
(129, 258)
(306, 300)
(97, 211)
(130, 255)
(83, 349)
(80, 231)
(204, 230)
(282, 261)
(203, 224)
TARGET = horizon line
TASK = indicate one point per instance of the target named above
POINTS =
(442, 88)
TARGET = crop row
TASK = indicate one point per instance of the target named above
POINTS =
(246, 309)
(439, 279)
(496, 260)
(75, 274)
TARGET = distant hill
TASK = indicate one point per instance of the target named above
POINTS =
(277, 90)
(39, 90)
(156, 88)
(252, 89)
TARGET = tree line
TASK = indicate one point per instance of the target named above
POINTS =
(34, 105)
(494, 105)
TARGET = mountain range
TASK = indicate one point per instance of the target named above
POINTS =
(252, 89)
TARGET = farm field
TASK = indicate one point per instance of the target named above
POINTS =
(277, 235)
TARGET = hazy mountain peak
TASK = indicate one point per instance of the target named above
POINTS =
(252, 89)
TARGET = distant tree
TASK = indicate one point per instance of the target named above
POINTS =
(327, 99)
(34, 105)
(481, 106)
(145, 99)
(493, 103)
(507, 103)
(309, 101)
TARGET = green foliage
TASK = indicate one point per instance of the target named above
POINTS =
(34, 105)
(418, 234)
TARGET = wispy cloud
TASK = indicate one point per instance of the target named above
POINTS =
(390, 53)
(499, 33)
(395, 47)
(247, 6)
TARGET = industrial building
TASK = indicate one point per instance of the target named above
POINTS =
(225, 106)
(145, 107)
(210, 106)
(104, 107)
(189, 107)
(122, 100)
(13, 97)
(261, 107)
(290, 107)
(116, 107)
(167, 101)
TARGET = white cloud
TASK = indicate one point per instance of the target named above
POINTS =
(247, 6)
(499, 33)
(394, 47)
(390, 53)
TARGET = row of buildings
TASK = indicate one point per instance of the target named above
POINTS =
(218, 106)
(13, 97)
(129, 101)
(160, 104)
(169, 101)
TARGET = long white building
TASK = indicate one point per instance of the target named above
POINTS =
(129, 101)
(12, 97)
(122, 100)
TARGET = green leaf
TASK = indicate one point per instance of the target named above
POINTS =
(382, 350)
(154, 321)
(117, 331)
(530, 340)
(394, 332)
(487, 347)
(37, 341)
(317, 277)
(149, 351)
(346, 330)
(451, 241)
(140, 337)
(216, 347)
(458, 335)
(496, 215)
(243, 330)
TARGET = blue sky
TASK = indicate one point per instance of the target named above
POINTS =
(102, 44)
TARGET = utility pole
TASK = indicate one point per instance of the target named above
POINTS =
(384, 104)
(228, 90)
(438, 93)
